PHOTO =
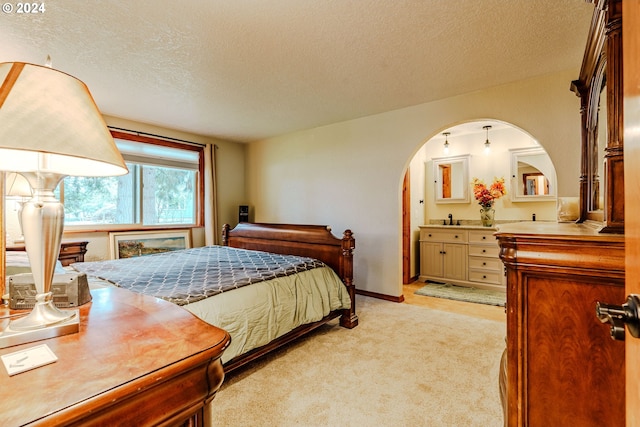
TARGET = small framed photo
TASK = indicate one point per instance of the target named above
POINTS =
(140, 243)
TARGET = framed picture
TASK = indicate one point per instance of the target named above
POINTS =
(140, 243)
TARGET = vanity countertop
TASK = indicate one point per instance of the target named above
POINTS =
(458, 227)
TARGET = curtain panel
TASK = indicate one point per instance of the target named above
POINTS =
(211, 229)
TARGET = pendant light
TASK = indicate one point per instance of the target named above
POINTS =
(487, 144)
(446, 142)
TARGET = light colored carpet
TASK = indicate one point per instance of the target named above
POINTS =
(463, 293)
(402, 366)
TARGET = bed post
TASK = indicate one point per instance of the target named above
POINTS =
(225, 234)
(349, 318)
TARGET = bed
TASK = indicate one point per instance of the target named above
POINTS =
(310, 284)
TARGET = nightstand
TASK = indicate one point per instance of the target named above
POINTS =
(70, 252)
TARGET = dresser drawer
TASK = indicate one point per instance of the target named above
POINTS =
(485, 264)
(486, 251)
(482, 236)
(447, 236)
(492, 277)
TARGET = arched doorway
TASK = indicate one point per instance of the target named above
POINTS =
(506, 142)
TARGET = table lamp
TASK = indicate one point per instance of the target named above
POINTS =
(18, 187)
(50, 127)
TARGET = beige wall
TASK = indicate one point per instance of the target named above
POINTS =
(349, 174)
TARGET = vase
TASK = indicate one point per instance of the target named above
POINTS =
(487, 216)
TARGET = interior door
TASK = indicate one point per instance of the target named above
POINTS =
(631, 79)
(406, 228)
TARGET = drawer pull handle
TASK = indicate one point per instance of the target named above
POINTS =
(484, 277)
(484, 251)
(429, 235)
(456, 236)
(484, 237)
(484, 263)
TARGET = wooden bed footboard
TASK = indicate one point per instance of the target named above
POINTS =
(315, 241)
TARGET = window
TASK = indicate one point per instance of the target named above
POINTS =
(161, 188)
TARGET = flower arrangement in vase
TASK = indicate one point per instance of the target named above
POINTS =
(486, 196)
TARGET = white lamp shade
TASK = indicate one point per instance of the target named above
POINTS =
(17, 185)
(45, 111)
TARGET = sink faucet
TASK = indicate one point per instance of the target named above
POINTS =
(450, 219)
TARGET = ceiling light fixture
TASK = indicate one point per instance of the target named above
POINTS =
(446, 142)
(487, 144)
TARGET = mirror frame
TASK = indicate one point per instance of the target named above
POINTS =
(465, 160)
(602, 62)
(520, 154)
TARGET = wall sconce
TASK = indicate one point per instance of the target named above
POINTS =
(446, 142)
(487, 144)
(51, 128)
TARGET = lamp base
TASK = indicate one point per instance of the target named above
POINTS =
(10, 337)
(43, 315)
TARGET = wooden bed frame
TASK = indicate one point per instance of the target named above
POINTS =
(314, 241)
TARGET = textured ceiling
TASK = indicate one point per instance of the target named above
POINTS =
(249, 69)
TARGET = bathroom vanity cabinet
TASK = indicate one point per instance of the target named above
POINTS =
(461, 255)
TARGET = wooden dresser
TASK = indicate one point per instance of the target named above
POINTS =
(563, 368)
(136, 361)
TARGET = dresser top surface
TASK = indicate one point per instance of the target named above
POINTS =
(555, 230)
(124, 337)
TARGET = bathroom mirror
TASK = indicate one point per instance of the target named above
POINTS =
(533, 177)
(451, 178)
(595, 203)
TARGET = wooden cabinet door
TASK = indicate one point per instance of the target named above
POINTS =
(573, 370)
(431, 256)
(455, 261)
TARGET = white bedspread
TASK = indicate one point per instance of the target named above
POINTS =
(255, 315)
